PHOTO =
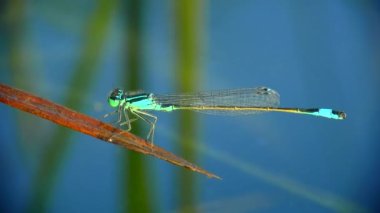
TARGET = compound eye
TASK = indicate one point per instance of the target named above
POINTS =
(115, 97)
(113, 103)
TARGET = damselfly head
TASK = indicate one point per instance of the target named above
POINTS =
(116, 97)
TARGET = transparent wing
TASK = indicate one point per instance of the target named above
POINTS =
(250, 97)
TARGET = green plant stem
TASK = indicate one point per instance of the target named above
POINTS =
(188, 44)
(138, 192)
(83, 76)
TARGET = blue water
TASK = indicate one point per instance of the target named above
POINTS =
(315, 54)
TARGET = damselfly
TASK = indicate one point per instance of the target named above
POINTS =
(220, 102)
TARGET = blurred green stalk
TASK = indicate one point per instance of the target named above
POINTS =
(14, 39)
(137, 190)
(84, 75)
(187, 23)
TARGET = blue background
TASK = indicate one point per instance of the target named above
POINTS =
(315, 54)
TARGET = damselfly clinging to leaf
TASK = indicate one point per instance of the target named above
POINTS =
(220, 102)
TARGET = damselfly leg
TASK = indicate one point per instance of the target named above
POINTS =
(147, 118)
(122, 112)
